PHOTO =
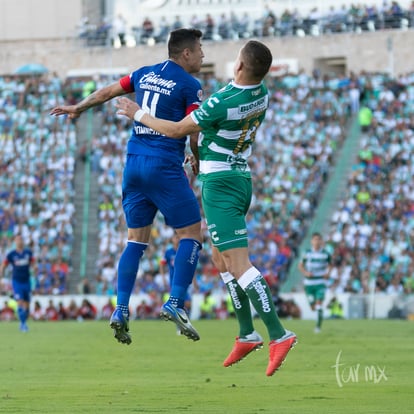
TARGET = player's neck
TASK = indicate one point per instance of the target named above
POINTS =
(242, 80)
(180, 62)
(183, 63)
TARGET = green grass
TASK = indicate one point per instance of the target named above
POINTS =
(79, 368)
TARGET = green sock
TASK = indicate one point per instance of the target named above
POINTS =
(259, 294)
(241, 305)
(320, 318)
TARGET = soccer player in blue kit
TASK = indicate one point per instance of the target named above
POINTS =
(154, 178)
(21, 259)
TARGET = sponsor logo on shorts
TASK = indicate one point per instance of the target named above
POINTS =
(214, 236)
(240, 232)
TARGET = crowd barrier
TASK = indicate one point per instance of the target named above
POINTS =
(355, 306)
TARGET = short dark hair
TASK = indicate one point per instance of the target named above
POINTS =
(181, 39)
(257, 58)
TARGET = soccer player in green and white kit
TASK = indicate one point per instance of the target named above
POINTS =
(315, 264)
(228, 122)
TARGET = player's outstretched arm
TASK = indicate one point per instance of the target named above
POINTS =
(95, 98)
(302, 269)
(171, 129)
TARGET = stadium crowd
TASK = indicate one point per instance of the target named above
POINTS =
(371, 235)
(356, 17)
(372, 231)
(37, 157)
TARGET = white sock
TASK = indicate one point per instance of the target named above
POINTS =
(227, 277)
(247, 277)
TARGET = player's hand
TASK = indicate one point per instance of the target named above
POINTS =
(126, 107)
(194, 163)
(70, 110)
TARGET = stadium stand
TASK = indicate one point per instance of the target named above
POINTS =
(37, 164)
(369, 230)
(221, 24)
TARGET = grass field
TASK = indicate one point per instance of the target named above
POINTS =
(70, 367)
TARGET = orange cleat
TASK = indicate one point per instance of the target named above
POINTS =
(278, 349)
(242, 347)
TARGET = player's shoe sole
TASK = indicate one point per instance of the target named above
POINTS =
(181, 319)
(243, 347)
(120, 325)
(278, 350)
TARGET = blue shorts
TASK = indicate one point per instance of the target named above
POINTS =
(154, 183)
(21, 291)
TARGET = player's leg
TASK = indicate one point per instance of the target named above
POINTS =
(239, 298)
(179, 206)
(311, 295)
(22, 296)
(248, 339)
(225, 210)
(21, 313)
(185, 262)
(319, 317)
(127, 272)
(256, 288)
(139, 214)
(26, 306)
(320, 296)
(252, 282)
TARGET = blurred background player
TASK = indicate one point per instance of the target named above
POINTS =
(315, 265)
(154, 178)
(21, 259)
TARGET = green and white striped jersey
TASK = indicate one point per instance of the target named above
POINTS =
(229, 120)
(316, 262)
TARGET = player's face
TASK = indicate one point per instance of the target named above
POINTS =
(19, 242)
(195, 58)
(316, 242)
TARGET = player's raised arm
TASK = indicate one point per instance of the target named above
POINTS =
(94, 99)
(171, 129)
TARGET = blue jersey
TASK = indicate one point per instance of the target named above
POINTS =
(20, 262)
(166, 91)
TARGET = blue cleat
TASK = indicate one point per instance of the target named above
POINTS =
(24, 327)
(120, 324)
(181, 319)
